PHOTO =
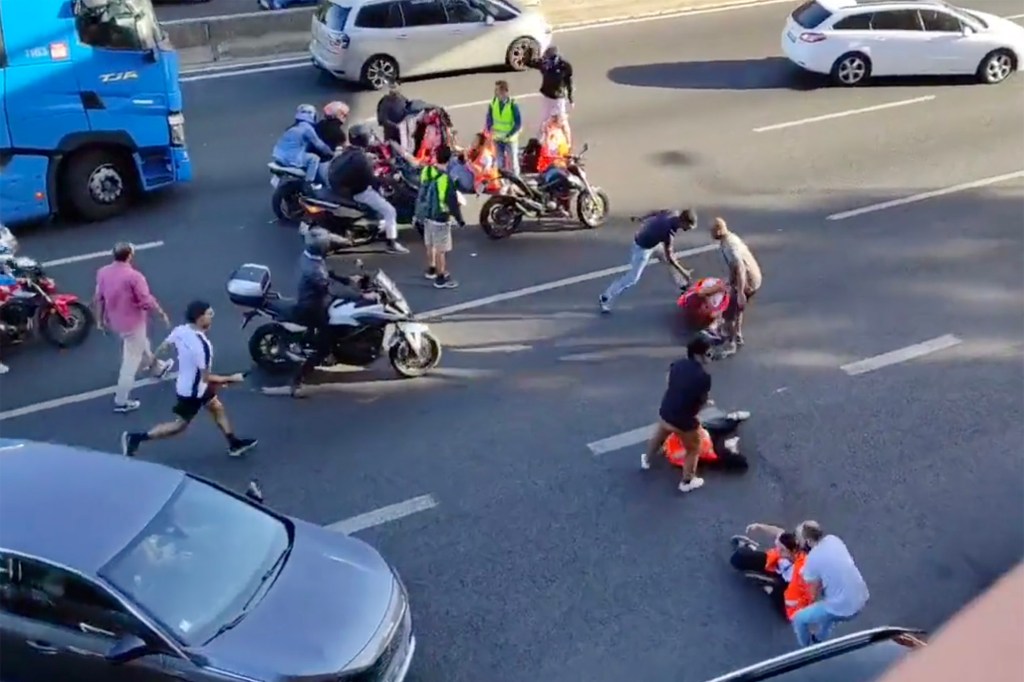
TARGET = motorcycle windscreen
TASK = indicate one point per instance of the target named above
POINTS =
(388, 285)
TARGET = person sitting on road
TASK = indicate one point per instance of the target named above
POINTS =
(782, 565)
(433, 137)
(715, 452)
(331, 127)
(555, 144)
(482, 160)
(300, 146)
(351, 173)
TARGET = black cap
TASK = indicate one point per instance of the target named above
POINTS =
(195, 310)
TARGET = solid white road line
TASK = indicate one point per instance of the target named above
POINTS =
(844, 114)
(378, 517)
(984, 182)
(621, 440)
(430, 314)
(96, 254)
(901, 355)
(547, 286)
(297, 62)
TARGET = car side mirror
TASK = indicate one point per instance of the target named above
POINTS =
(489, 20)
(966, 29)
(126, 649)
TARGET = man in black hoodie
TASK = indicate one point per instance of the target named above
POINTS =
(391, 114)
(556, 87)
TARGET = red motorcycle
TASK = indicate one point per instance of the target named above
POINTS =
(29, 301)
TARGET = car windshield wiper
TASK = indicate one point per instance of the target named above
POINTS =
(267, 576)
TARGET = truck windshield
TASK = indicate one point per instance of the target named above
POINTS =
(119, 25)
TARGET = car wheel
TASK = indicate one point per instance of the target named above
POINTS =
(851, 69)
(379, 71)
(521, 53)
(996, 67)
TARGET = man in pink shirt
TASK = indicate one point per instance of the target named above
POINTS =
(123, 303)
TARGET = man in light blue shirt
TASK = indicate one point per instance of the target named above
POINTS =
(835, 580)
(300, 146)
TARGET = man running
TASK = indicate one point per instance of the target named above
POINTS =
(657, 230)
(196, 385)
(744, 277)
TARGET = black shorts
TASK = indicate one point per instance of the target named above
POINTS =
(187, 407)
(683, 423)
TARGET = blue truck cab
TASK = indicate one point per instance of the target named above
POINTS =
(91, 114)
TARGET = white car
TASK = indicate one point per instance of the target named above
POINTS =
(376, 41)
(853, 40)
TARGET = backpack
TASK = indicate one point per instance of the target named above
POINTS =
(428, 201)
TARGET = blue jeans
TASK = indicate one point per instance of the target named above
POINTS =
(639, 257)
(312, 165)
(815, 622)
(508, 155)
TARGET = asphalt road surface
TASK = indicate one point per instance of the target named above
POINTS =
(191, 9)
(531, 558)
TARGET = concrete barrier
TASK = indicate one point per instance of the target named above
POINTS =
(268, 34)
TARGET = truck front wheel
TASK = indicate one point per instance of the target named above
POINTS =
(97, 184)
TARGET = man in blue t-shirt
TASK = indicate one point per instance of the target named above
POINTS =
(657, 230)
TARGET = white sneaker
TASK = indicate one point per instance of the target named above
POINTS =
(732, 445)
(645, 461)
(693, 484)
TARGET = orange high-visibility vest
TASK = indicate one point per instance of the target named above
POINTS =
(485, 168)
(676, 453)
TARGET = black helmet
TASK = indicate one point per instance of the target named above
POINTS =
(360, 135)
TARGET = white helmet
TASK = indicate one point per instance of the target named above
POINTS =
(306, 113)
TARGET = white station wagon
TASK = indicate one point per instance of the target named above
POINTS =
(376, 41)
(852, 40)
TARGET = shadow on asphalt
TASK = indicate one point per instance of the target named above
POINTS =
(768, 73)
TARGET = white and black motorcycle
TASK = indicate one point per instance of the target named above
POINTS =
(361, 331)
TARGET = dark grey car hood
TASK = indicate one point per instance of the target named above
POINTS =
(322, 610)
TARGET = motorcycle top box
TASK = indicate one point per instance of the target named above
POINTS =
(249, 285)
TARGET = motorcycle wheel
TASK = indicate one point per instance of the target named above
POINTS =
(285, 201)
(70, 332)
(592, 213)
(268, 348)
(500, 217)
(410, 365)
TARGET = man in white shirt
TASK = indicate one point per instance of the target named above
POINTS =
(835, 580)
(196, 386)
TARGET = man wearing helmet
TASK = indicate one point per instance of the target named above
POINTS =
(300, 146)
(314, 296)
(352, 172)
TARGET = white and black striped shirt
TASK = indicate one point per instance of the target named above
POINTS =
(195, 356)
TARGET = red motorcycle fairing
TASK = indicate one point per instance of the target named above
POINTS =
(62, 302)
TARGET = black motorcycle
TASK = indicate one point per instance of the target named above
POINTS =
(545, 196)
(361, 330)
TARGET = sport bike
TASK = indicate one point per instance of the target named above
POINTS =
(361, 331)
(545, 196)
(34, 304)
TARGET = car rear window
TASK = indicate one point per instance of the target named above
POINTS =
(810, 14)
(333, 16)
